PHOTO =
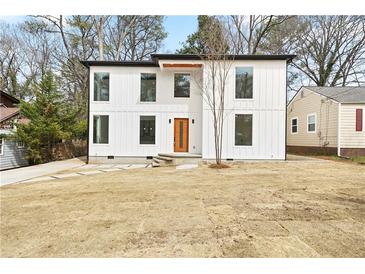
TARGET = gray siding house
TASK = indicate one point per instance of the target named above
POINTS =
(12, 153)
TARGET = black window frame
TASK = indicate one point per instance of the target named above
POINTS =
(236, 84)
(144, 132)
(94, 130)
(96, 87)
(176, 95)
(235, 130)
(147, 74)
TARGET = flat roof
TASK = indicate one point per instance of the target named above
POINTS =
(156, 57)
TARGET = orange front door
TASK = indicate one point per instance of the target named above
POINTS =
(181, 135)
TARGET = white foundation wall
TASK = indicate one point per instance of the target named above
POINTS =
(124, 109)
(268, 108)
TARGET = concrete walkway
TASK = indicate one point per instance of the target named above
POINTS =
(26, 173)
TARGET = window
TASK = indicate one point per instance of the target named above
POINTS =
(243, 130)
(1, 146)
(182, 85)
(359, 118)
(244, 83)
(148, 87)
(101, 86)
(294, 125)
(20, 144)
(311, 123)
(147, 130)
(101, 129)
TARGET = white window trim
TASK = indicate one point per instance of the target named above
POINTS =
(291, 125)
(181, 72)
(253, 90)
(234, 130)
(140, 80)
(2, 145)
(139, 130)
(315, 122)
(92, 129)
(92, 89)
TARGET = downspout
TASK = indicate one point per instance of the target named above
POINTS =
(339, 131)
(286, 110)
(88, 115)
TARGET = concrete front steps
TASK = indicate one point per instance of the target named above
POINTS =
(173, 159)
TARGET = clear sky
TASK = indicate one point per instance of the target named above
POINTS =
(177, 27)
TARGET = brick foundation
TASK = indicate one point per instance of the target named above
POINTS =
(309, 150)
(352, 152)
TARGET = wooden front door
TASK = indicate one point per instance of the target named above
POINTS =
(181, 135)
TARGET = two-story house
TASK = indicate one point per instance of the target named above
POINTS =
(140, 109)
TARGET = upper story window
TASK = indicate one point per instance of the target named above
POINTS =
(148, 87)
(101, 86)
(147, 130)
(311, 122)
(244, 82)
(243, 130)
(182, 85)
(101, 129)
(294, 125)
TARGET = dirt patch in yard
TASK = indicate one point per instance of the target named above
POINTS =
(263, 209)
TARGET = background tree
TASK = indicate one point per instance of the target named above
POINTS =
(199, 42)
(50, 121)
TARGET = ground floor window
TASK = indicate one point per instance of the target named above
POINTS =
(20, 144)
(1, 146)
(294, 125)
(147, 130)
(243, 130)
(311, 122)
(101, 129)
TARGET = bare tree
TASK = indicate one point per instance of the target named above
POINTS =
(247, 33)
(213, 85)
(331, 50)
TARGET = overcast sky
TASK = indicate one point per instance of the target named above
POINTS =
(177, 27)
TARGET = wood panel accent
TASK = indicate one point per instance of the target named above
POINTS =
(182, 65)
(181, 135)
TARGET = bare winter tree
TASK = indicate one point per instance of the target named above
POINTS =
(217, 65)
(247, 33)
(331, 50)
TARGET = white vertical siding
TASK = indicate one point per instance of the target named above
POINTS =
(124, 109)
(349, 137)
(267, 108)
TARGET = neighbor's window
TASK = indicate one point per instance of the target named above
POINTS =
(311, 123)
(244, 82)
(1, 146)
(101, 86)
(20, 144)
(148, 87)
(294, 125)
(182, 85)
(243, 130)
(147, 130)
(101, 129)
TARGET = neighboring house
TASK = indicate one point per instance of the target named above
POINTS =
(329, 120)
(12, 153)
(140, 109)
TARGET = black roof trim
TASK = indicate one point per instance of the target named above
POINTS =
(234, 57)
(120, 63)
(10, 97)
(157, 57)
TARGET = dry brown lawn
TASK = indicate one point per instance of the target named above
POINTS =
(276, 209)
